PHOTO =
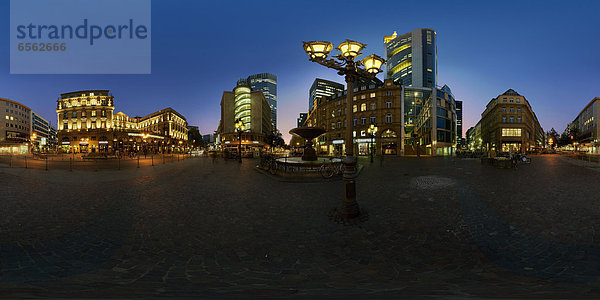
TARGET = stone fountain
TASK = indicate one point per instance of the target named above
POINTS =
(308, 133)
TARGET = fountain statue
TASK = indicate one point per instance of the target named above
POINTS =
(308, 133)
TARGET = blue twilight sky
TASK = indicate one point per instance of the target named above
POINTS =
(548, 51)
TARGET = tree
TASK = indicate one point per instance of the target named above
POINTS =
(274, 139)
(554, 135)
(569, 136)
(194, 137)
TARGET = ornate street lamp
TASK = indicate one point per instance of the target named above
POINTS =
(239, 128)
(352, 70)
(372, 130)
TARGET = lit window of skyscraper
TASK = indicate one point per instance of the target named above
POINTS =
(267, 83)
(412, 58)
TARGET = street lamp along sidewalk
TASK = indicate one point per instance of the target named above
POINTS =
(239, 128)
(352, 70)
(372, 130)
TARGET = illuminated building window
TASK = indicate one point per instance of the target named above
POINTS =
(354, 108)
(511, 131)
(363, 107)
(372, 95)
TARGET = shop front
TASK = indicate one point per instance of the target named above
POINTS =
(338, 147)
(389, 147)
(13, 149)
(389, 142)
(511, 147)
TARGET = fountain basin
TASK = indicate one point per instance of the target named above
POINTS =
(308, 133)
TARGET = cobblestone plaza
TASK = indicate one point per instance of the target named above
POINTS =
(435, 228)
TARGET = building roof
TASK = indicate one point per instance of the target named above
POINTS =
(78, 93)
(15, 102)
(168, 109)
(511, 92)
(586, 107)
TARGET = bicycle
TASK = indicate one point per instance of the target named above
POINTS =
(268, 163)
(335, 167)
(518, 159)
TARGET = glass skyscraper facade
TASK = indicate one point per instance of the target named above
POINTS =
(411, 58)
(459, 134)
(322, 88)
(267, 83)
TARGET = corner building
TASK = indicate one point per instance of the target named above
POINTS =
(587, 127)
(87, 123)
(254, 110)
(508, 123)
(374, 102)
(15, 127)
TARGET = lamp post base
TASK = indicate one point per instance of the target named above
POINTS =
(349, 207)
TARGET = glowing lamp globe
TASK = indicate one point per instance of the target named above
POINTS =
(317, 49)
(350, 48)
(373, 63)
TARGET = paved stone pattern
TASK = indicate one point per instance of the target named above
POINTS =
(210, 229)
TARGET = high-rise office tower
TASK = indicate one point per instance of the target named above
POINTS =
(412, 58)
(459, 113)
(301, 119)
(323, 88)
(267, 83)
